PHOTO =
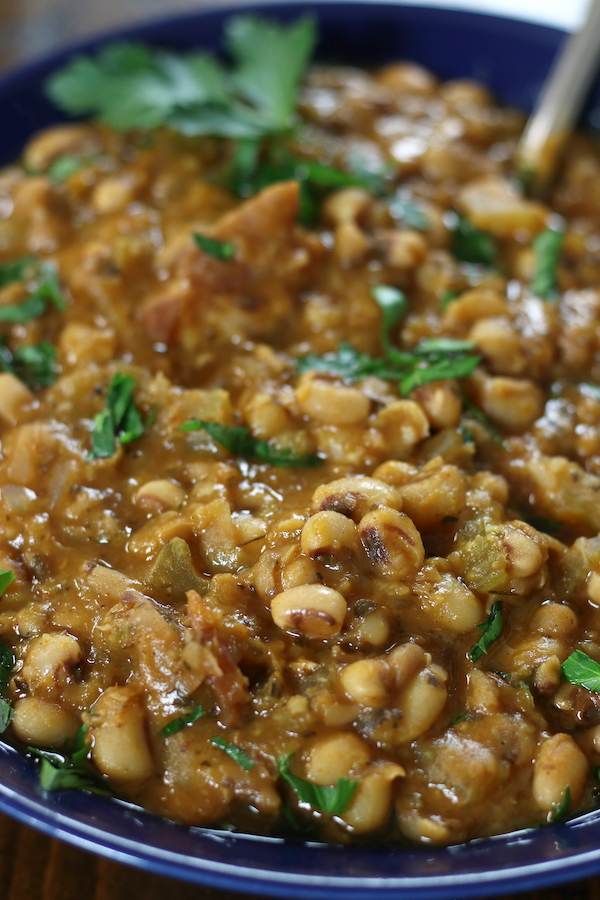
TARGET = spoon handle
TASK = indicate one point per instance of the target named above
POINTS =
(560, 102)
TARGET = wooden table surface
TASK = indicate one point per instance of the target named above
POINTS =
(32, 866)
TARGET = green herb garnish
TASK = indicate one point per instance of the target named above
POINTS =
(431, 360)
(132, 85)
(239, 442)
(219, 249)
(34, 364)
(65, 166)
(492, 628)
(61, 771)
(334, 800)
(547, 247)
(47, 291)
(448, 298)
(15, 270)
(471, 245)
(581, 669)
(393, 305)
(542, 524)
(236, 754)
(177, 724)
(561, 810)
(120, 420)
(6, 577)
(7, 663)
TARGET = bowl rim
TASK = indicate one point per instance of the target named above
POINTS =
(21, 799)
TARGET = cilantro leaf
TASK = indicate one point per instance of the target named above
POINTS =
(176, 725)
(430, 360)
(6, 714)
(47, 291)
(562, 810)
(64, 166)
(219, 249)
(393, 305)
(62, 771)
(471, 245)
(33, 364)
(329, 799)
(547, 247)
(581, 669)
(131, 85)
(120, 420)
(492, 629)
(238, 441)
(6, 577)
(15, 270)
(238, 755)
(409, 214)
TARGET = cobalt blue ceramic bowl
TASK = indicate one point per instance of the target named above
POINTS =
(512, 58)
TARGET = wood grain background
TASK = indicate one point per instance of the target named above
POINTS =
(32, 866)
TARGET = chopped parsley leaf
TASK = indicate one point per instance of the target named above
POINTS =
(393, 305)
(222, 250)
(484, 420)
(236, 754)
(492, 629)
(33, 364)
(176, 725)
(471, 245)
(120, 420)
(238, 441)
(132, 85)
(47, 291)
(581, 669)
(562, 810)
(547, 248)
(6, 577)
(409, 214)
(15, 270)
(329, 799)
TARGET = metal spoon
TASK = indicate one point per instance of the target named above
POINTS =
(560, 103)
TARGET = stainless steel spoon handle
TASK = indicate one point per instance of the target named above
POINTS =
(561, 99)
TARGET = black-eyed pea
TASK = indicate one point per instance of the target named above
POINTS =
(15, 398)
(299, 571)
(405, 661)
(63, 140)
(355, 496)
(391, 542)
(560, 764)
(404, 249)
(500, 344)
(482, 692)
(328, 533)
(265, 416)
(79, 343)
(160, 495)
(351, 204)
(367, 681)
(423, 829)
(374, 629)
(115, 192)
(463, 92)
(514, 403)
(547, 677)
(350, 245)
(438, 492)
(403, 425)
(525, 556)
(120, 745)
(371, 805)
(43, 724)
(331, 404)
(593, 587)
(473, 305)
(494, 204)
(395, 472)
(49, 662)
(336, 756)
(421, 702)
(441, 403)
(555, 620)
(407, 78)
(311, 610)
(494, 485)
(448, 601)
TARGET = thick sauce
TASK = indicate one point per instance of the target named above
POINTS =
(323, 614)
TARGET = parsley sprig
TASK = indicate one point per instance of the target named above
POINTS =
(434, 359)
(581, 669)
(65, 771)
(120, 420)
(132, 85)
(6, 578)
(238, 441)
(46, 291)
(471, 245)
(183, 721)
(332, 799)
(547, 248)
(223, 250)
(7, 663)
(34, 364)
(235, 753)
(492, 629)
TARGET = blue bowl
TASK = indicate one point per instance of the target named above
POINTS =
(512, 58)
